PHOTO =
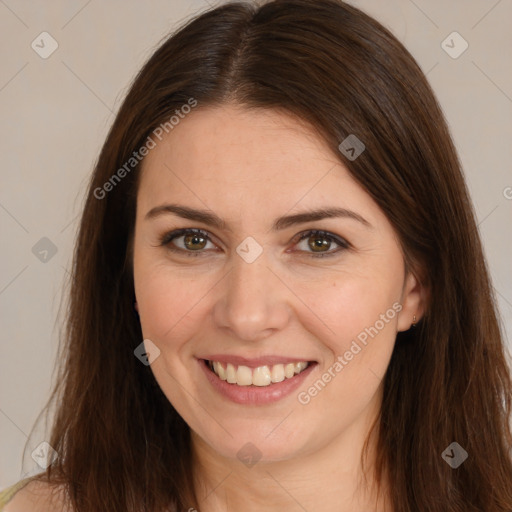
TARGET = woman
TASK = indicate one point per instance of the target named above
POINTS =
(279, 295)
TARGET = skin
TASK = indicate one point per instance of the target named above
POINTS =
(249, 168)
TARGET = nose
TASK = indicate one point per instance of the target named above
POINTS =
(253, 302)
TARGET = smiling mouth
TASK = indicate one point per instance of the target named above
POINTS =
(261, 376)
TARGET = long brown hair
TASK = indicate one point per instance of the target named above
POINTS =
(122, 446)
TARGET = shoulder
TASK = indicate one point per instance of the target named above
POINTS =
(34, 496)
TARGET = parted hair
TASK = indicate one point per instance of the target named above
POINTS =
(122, 446)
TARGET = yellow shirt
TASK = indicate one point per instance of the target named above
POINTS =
(7, 494)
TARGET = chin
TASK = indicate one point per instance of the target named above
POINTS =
(251, 446)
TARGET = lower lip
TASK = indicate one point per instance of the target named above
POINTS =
(255, 394)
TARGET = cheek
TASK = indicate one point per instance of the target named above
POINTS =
(174, 306)
(351, 305)
(361, 312)
(167, 303)
(357, 316)
(170, 311)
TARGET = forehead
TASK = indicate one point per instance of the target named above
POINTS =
(237, 160)
(230, 143)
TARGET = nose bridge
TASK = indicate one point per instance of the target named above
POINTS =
(252, 303)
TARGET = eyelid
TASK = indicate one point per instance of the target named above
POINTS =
(168, 237)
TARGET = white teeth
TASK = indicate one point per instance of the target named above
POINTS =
(300, 366)
(230, 374)
(219, 370)
(277, 373)
(289, 370)
(260, 376)
(244, 376)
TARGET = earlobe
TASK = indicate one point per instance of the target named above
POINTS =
(413, 303)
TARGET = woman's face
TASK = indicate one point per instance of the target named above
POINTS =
(250, 295)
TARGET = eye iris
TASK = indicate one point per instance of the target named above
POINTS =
(194, 238)
(318, 242)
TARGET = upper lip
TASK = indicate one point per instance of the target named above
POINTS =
(254, 362)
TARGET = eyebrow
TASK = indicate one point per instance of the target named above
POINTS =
(211, 219)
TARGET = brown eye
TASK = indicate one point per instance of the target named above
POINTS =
(320, 242)
(194, 241)
(190, 242)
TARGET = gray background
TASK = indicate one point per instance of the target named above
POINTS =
(55, 113)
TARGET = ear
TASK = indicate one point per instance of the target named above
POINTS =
(136, 306)
(413, 300)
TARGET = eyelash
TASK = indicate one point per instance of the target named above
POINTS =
(167, 238)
